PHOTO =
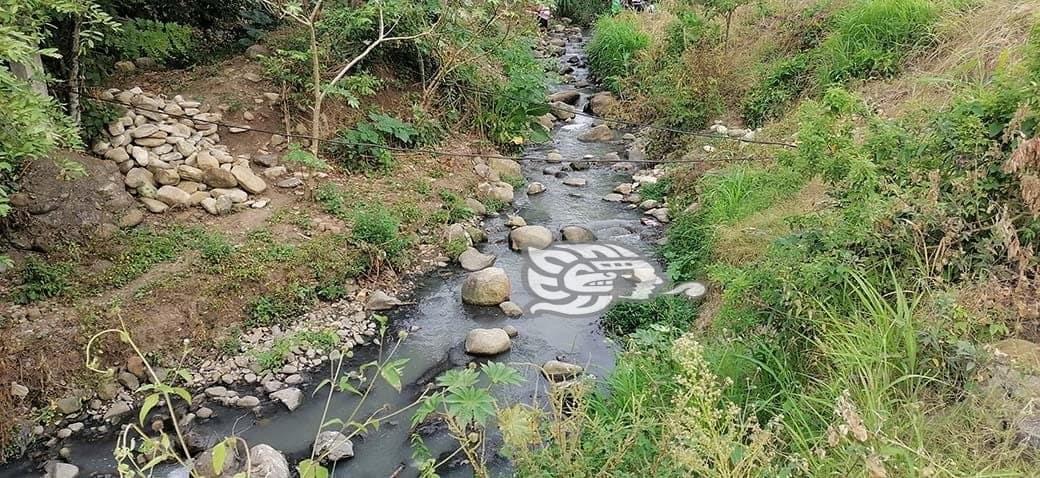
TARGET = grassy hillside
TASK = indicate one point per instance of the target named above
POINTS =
(859, 278)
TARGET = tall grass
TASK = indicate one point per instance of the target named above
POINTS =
(872, 38)
(726, 196)
(614, 45)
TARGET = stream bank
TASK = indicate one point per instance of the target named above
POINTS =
(438, 321)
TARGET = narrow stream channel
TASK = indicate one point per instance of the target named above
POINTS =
(439, 322)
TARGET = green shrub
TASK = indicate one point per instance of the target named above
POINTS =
(675, 313)
(770, 98)
(280, 306)
(166, 43)
(455, 207)
(332, 200)
(507, 111)
(581, 12)
(377, 227)
(456, 247)
(361, 148)
(42, 280)
(613, 47)
(95, 117)
(872, 38)
(688, 29)
(298, 155)
(656, 191)
(214, 248)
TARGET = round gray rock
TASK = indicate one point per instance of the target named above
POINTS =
(577, 234)
(473, 260)
(487, 342)
(486, 287)
(525, 237)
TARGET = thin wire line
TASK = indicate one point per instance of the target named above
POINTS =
(408, 150)
(606, 119)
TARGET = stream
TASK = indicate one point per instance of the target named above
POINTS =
(438, 322)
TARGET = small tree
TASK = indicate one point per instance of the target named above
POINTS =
(308, 13)
(725, 9)
(34, 124)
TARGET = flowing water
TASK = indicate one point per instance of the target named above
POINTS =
(438, 323)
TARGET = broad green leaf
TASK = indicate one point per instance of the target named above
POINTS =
(500, 373)
(470, 405)
(391, 372)
(219, 456)
(311, 469)
(426, 407)
(180, 392)
(458, 378)
(149, 403)
(345, 386)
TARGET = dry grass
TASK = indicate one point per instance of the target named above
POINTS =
(971, 46)
(746, 240)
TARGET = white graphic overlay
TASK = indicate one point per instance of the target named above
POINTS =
(582, 279)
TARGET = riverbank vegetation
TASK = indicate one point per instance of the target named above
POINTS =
(865, 283)
(443, 77)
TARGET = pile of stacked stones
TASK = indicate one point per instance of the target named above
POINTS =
(170, 153)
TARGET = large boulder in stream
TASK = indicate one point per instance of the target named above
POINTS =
(526, 237)
(57, 469)
(505, 167)
(601, 103)
(562, 111)
(577, 234)
(487, 342)
(486, 287)
(597, 133)
(570, 97)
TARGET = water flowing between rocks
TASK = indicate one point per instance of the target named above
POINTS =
(438, 322)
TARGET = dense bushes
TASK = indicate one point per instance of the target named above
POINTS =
(772, 96)
(167, 43)
(613, 47)
(506, 110)
(582, 12)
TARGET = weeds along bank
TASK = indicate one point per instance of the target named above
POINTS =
(355, 218)
(874, 308)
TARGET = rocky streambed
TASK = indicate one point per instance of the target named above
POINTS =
(463, 312)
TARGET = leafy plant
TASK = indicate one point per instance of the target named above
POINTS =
(42, 280)
(279, 306)
(164, 42)
(95, 118)
(466, 408)
(300, 156)
(582, 12)
(769, 99)
(671, 313)
(364, 147)
(688, 29)
(379, 231)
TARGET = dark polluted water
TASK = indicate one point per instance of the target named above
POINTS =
(438, 322)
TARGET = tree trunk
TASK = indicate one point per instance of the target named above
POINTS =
(316, 77)
(32, 73)
(74, 80)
